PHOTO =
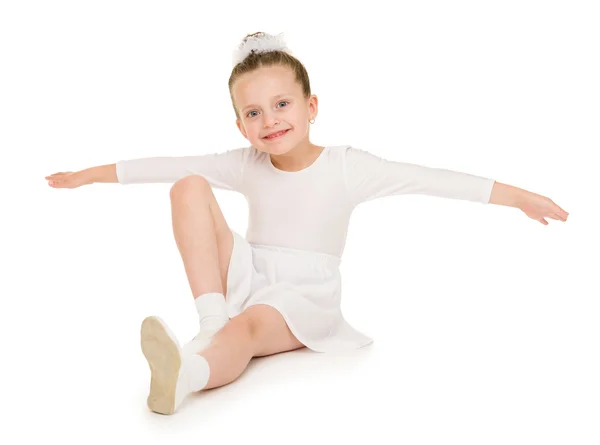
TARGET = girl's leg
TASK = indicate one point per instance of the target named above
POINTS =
(258, 331)
(202, 235)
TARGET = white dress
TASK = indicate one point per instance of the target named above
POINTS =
(298, 222)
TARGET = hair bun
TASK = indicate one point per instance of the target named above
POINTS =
(259, 42)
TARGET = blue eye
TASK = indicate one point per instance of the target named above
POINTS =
(254, 111)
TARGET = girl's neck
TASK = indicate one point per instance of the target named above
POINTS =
(298, 158)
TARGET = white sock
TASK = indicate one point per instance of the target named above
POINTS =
(212, 311)
(193, 376)
(198, 371)
(200, 342)
(174, 374)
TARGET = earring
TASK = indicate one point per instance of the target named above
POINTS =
(312, 121)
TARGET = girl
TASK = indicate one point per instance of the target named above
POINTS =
(278, 288)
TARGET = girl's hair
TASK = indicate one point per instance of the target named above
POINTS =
(256, 60)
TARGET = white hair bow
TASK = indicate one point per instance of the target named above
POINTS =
(261, 42)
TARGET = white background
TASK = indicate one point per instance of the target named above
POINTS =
(485, 321)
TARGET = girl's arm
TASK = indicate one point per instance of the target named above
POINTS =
(533, 205)
(507, 195)
(370, 177)
(102, 173)
(71, 180)
(222, 170)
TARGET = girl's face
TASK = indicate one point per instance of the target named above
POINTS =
(270, 100)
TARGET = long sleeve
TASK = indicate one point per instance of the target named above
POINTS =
(369, 177)
(222, 170)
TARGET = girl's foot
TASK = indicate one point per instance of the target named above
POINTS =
(161, 349)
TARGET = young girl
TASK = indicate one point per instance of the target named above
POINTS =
(279, 288)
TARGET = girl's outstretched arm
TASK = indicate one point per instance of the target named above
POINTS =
(223, 170)
(369, 177)
(533, 205)
(102, 173)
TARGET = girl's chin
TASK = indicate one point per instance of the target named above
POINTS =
(276, 148)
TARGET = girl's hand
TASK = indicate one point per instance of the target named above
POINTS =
(69, 180)
(537, 207)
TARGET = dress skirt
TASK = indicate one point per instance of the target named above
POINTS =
(305, 287)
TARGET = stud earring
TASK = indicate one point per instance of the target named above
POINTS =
(312, 121)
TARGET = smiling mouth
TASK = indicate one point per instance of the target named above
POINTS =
(276, 135)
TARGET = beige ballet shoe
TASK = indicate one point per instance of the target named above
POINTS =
(162, 351)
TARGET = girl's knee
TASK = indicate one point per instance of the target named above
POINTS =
(251, 320)
(189, 183)
(268, 330)
(243, 326)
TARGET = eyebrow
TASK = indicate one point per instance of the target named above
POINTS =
(253, 105)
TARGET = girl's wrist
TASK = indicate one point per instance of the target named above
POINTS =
(508, 195)
(88, 176)
(101, 173)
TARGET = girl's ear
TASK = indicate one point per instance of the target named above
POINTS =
(241, 128)
(313, 105)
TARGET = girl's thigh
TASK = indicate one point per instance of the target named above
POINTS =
(223, 233)
(270, 332)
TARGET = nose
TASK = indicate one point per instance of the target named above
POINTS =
(270, 120)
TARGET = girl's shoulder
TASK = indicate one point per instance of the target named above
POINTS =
(339, 151)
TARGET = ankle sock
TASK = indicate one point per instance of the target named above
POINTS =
(193, 376)
(212, 311)
(197, 370)
(174, 374)
(201, 341)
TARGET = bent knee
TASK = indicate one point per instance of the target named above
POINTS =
(189, 183)
(255, 320)
(268, 330)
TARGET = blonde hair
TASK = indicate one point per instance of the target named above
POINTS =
(256, 60)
